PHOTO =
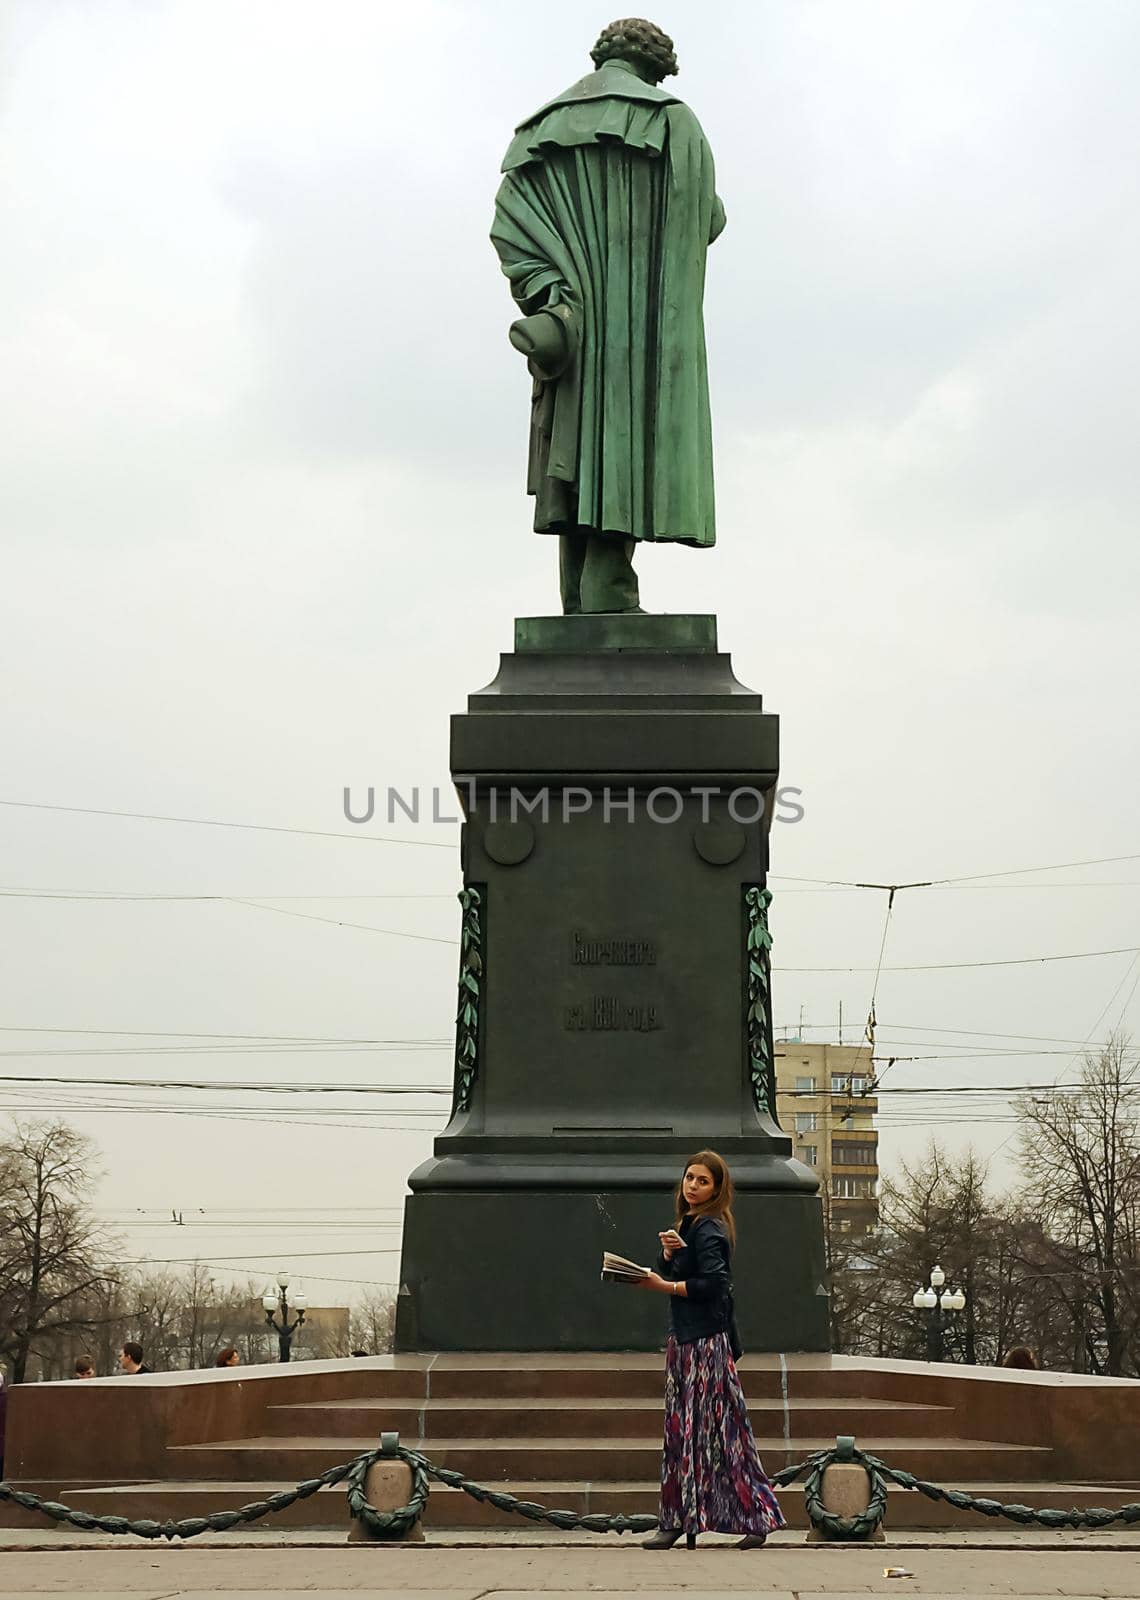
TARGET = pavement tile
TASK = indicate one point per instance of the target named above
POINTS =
(788, 1572)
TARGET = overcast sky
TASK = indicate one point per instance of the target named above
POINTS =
(262, 455)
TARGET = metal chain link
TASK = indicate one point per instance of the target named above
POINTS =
(188, 1527)
(1045, 1516)
(392, 1524)
(589, 1522)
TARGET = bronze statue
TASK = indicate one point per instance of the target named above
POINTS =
(602, 220)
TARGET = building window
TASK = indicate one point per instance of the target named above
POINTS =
(810, 1154)
(805, 1085)
(805, 1121)
(852, 1188)
(855, 1084)
(853, 1153)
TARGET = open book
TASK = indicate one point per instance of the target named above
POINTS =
(616, 1269)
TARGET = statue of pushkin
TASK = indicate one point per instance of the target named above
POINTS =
(605, 212)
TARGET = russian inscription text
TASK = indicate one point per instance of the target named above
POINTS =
(607, 1013)
(586, 951)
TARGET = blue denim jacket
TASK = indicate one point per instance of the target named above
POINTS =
(705, 1267)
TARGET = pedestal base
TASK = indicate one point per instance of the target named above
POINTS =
(509, 1270)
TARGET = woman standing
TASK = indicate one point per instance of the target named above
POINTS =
(711, 1477)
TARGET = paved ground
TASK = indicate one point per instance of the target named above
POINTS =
(296, 1567)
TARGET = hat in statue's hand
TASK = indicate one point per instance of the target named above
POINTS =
(545, 340)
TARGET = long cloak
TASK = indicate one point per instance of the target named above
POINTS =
(607, 206)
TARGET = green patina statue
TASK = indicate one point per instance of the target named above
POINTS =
(602, 221)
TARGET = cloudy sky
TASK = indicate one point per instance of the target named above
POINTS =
(262, 447)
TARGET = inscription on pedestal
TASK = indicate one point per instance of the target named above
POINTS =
(610, 1013)
(587, 951)
(606, 1013)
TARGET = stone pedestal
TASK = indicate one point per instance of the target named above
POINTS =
(617, 783)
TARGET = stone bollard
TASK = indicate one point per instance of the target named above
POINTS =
(387, 1486)
(845, 1490)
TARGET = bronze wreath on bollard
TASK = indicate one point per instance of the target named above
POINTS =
(387, 1524)
(828, 1522)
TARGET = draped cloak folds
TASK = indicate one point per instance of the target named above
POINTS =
(607, 207)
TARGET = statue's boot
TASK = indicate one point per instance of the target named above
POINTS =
(571, 559)
(597, 573)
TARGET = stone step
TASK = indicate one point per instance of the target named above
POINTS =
(622, 1377)
(592, 1419)
(492, 1460)
(451, 1508)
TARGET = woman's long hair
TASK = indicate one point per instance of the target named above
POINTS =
(720, 1205)
(1022, 1356)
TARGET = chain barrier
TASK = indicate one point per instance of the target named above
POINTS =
(393, 1524)
(189, 1527)
(862, 1526)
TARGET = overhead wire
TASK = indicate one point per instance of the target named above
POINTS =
(337, 922)
(214, 822)
(953, 966)
(182, 1033)
(314, 1049)
(227, 1085)
(915, 1027)
(20, 893)
(963, 878)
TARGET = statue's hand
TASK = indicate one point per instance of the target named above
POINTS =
(545, 340)
(716, 225)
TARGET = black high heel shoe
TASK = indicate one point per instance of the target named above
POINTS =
(663, 1539)
(666, 1538)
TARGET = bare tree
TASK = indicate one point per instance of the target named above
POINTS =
(939, 1210)
(53, 1251)
(852, 1278)
(1080, 1152)
(183, 1319)
(372, 1325)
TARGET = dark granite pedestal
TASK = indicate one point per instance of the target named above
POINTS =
(617, 782)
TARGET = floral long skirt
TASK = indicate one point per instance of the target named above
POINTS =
(711, 1477)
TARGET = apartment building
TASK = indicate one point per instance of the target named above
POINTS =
(822, 1102)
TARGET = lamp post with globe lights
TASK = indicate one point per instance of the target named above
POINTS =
(939, 1303)
(279, 1301)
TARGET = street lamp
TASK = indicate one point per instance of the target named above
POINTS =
(279, 1301)
(938, 1302)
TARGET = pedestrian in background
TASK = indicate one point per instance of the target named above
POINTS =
(227, 1357)
(1021, 1356)
(84, 1367)
(131, 1359)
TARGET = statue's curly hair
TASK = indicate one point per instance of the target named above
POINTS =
(634, 39)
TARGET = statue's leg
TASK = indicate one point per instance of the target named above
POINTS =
(571, 559)
(609, 582)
